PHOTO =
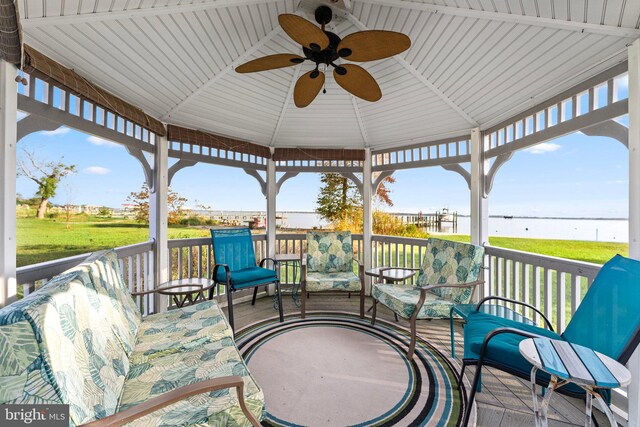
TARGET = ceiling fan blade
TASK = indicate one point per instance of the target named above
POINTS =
(357, 81)
(303, 32)
(307, 88)
(271, 62)
(372, 45)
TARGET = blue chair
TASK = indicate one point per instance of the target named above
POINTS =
(236, 268)
(607, 321)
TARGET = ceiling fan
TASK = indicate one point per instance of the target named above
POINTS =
(324, 48)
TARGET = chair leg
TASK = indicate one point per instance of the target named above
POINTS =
(472, 395)
(230, 308)
(412, 344)
(396, 316)
(255, 294)
(303, 306)
(461, 377)
(279, 301)
(362, 302)
(373, 315)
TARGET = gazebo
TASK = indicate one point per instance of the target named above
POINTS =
(481, 80)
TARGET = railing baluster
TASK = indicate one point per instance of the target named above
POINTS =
(561, 301)
(537, 272)
(548, 293)
(526, 284)
(576, 292)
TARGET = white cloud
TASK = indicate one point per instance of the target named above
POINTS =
(545, 147)
(99, 141)
(97, 170)
(60, 131)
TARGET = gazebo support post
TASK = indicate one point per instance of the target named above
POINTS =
(479, 205)
(634, 209)
(158, 216)
(367, 222)
(8, 132)
(272, 192)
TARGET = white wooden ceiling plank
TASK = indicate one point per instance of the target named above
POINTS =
(248, 84)
(116, 5)
(258, 24)
(449, 40)
(88, 48)
(631, 14)
(35, 9)
(221, 127)
(193, 30)
(234, 116)
(496, 73)
(474, 38)
(181, 46)
(234, 113)
(561, 72)
(86, 6)
(428, 26)
(230, 42)
(577, 22)
(142, 54)
(102, 6)
(261, 102)
(527, 74)
(232, 16)
(52, 8)
(218, 48)
(507, 37)
(73, 54)
(596, 12)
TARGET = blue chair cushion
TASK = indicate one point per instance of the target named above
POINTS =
(247, 277)
(502, 348)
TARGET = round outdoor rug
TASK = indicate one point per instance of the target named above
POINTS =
(338, 370)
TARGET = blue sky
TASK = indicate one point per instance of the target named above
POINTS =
(576, 176)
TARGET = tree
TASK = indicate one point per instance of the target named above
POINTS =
(338, 196)
(46, 175)
(140, 201)
(340, 203)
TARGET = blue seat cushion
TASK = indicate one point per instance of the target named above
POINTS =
(503, 349)
(247, 277)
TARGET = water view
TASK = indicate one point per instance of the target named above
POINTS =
(602, 230)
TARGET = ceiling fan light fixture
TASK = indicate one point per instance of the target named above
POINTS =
(344, 52)
(341, 70)
(315, 73)
(297, 60)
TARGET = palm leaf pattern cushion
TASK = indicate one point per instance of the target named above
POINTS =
(444, 262)
(70, 342)
(329, 252)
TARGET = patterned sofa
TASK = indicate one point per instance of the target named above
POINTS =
(80, 340)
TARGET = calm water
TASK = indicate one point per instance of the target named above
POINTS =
(605, 230)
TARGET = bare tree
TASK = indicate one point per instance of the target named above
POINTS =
(46, 175)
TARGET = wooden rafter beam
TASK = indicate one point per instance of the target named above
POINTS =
(135, 13)
(607, 30)
(418, 75)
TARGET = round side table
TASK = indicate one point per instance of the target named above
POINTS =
(572, 363)
(185, 291)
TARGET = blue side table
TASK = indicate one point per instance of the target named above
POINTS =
(464, 310)
(572, 363)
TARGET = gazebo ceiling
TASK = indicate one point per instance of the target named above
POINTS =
(471, 63)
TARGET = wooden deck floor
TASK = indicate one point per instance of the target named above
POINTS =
(505, 401)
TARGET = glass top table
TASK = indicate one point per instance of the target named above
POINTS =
(186, 291)
(464, 310)
(391, 275)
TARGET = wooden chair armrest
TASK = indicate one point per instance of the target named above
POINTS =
(174, 396)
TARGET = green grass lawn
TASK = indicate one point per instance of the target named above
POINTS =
(48, 239)
(596, 252)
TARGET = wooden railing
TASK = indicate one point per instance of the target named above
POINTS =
(136, 264)
(553, 285)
